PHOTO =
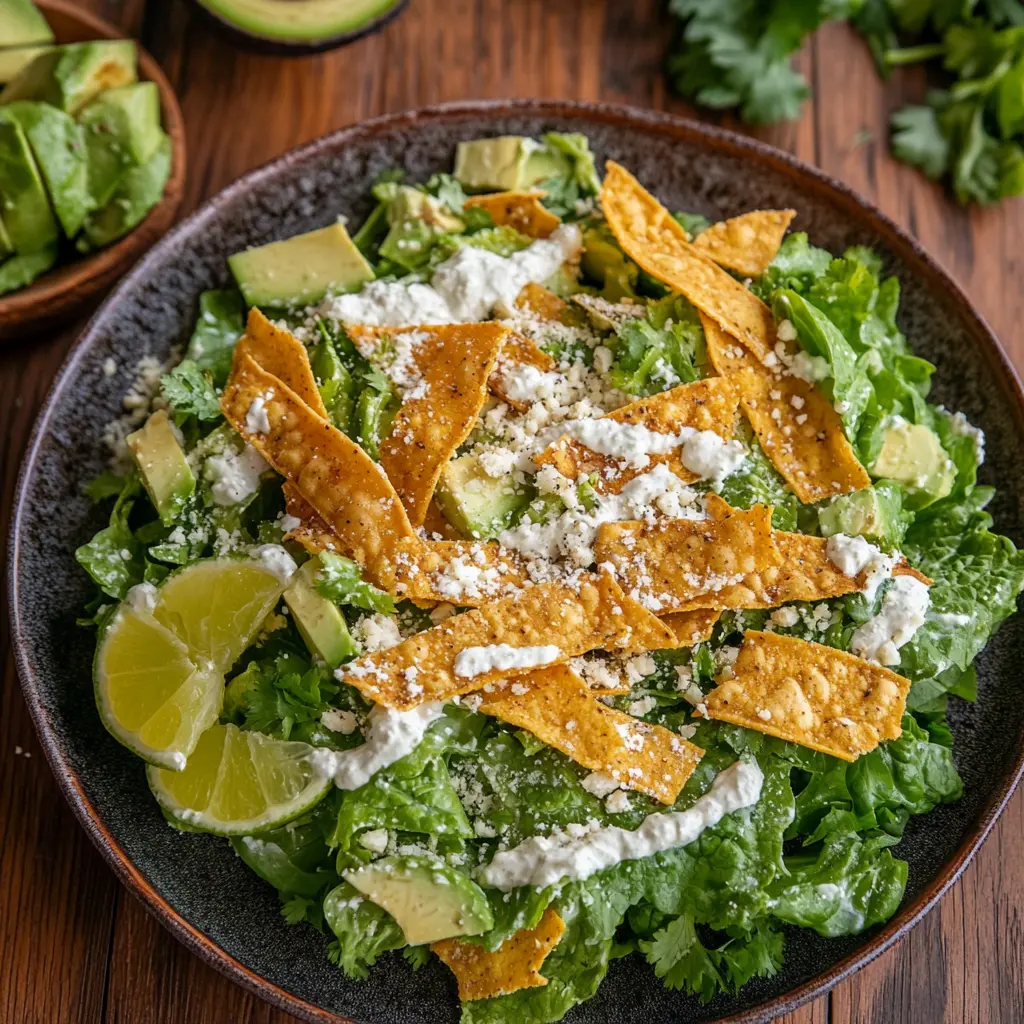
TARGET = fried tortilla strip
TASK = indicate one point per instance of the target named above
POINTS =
(450, 365)
(543, 303)
(668, 564)
(517, 350)
(520, 210)
(797, 426)
(746, 244)
(710, 404)
(282, 354)
(692, 627)
(593, 613)
(655, 240)
(514, 965)
(467, 573)
(557, 707)
(312, 532)
(809, 694)
(334, 475)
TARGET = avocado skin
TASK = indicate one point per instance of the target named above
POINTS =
(58, 145)
(258, 43)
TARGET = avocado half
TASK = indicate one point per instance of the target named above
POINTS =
(298, 27)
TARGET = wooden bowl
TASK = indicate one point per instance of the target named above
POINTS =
(61, 292)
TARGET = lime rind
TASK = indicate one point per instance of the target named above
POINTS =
(159, 668)
(240, 783)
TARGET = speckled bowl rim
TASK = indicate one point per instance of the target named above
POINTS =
(919, 263)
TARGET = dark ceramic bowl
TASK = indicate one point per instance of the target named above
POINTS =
(194, 884)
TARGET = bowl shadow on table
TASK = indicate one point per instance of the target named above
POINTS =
(199, 876)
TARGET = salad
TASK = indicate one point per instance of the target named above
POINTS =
(535, 576)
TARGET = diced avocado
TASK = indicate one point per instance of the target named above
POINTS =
(15, 60)
(476, 504)
(70, 76)
(301, 270)
(319, 620)
(165, 471)
(875, 513)
(429, 900)
(506, 162)
(604, 261)
(374, 413)
(335, 382)
(24, 207)
(410, 203)
(138, 192)
(19, 271)
(122, 130)
(912, 454)
(312, 22)
(22, 23)
(58, 145)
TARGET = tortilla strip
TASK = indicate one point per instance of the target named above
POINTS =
(797, 426)
(746, 244)
(670, 563)
(279, 352)
(543, 303)
(558, 707)
(709, 404)
(467, 573)
(514, 965)
(520, 210)
(454, 362)
(517, 350)
(592, 613)
(655, 240)
(692, 627)
(331, 472)
(809, 694)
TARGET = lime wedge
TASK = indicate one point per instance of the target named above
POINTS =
(237, 783)
(159, 668)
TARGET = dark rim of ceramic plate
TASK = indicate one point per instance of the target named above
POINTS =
(759, 154)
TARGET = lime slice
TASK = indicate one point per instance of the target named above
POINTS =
(237, 783)
(159, 669)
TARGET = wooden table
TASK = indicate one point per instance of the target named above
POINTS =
(75, 947)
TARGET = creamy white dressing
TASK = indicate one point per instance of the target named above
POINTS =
(466, 288)
(544, 860)
(903, 611)
(854, 555)
(476, 661)
(256, 419)
(389, 737)
(234, 476)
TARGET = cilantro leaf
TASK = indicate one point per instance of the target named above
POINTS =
(189, 390)
(363, 930)
(340, 580)
(220, 324)
(681, 961)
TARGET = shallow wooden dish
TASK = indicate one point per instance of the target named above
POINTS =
(64, 290)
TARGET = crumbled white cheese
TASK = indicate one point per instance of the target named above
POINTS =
(275, 559)
(233, 476)
(376, 840)
(377, 632)
(476, 661)
(600, 784)
(256, 419)
(142, 597)
(617, 802)
(336, 720)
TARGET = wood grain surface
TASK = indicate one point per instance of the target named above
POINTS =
(75, 947)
